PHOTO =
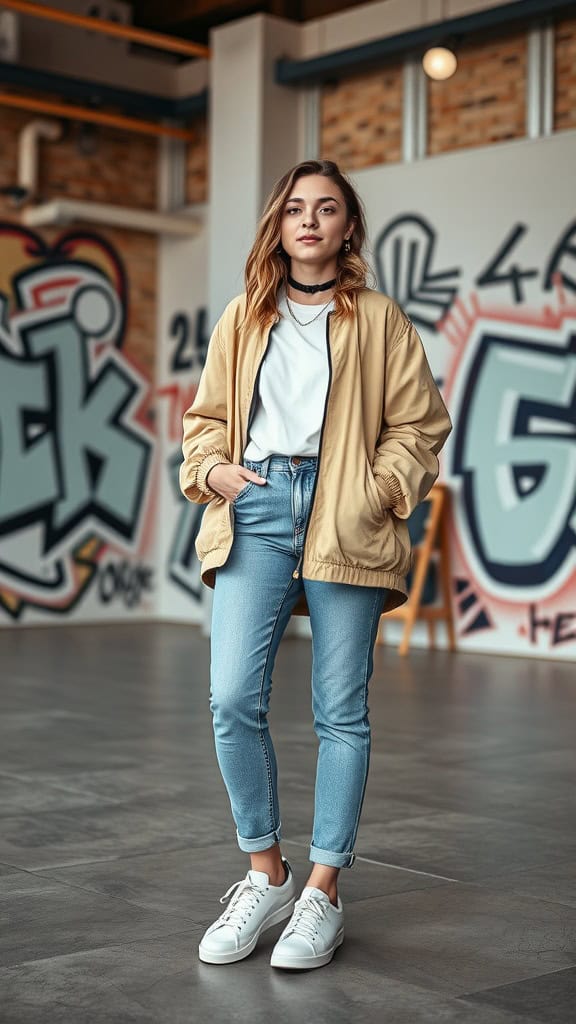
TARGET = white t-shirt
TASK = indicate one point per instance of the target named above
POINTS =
(292, 385)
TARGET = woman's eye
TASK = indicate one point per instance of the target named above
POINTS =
(328, 209)
(293, 209)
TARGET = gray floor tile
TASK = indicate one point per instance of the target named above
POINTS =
(460, 938)
(113, 830)
(46, 918)
(21, 795)
(550, 999)
(461, 846)
(553, 882)
(7, 869)
(162, 981)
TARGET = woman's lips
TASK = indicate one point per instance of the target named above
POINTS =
(309, 241)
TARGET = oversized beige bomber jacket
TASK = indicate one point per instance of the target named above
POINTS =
(384, 425)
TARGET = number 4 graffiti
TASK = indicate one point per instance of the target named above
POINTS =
(561, 264)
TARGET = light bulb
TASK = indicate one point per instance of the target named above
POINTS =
(439, 63)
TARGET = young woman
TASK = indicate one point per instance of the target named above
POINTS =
(314, 433)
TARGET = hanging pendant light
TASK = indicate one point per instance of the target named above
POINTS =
(439, 63)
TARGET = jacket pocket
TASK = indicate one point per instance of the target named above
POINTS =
(213, 528)
(373, 492)
(377, 539)
(403, 543)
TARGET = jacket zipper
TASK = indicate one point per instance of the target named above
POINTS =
(298, 569)
(255, 392)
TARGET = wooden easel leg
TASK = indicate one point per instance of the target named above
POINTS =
(409, 625)
(446, 577)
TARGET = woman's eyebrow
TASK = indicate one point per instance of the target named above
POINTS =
(323, 199)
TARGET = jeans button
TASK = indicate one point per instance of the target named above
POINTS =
(296, 460)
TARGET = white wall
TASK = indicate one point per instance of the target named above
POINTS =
(182, 329)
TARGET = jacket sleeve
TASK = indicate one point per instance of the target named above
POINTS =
(414, 428)
(205, 425)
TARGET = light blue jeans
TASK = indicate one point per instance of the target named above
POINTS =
(253, 598)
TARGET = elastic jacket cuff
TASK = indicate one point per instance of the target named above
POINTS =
(392, 491)
(210, 460)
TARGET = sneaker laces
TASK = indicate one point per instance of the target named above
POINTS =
(244, 898)
(309, 912)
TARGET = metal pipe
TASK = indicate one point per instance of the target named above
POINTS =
(110, 28)
(540, 82)
(28, 145)
(74, 113)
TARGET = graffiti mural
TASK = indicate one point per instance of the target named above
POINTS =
(508, 330)
(76, 442)
(405, 257)
(185, 355)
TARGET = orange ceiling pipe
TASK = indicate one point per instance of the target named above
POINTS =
(75, 113)
(110, 28)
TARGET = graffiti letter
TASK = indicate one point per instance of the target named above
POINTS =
(562, 631)
(515, 447)
(102, 461)
(495, 274)
(404, 257)
(564, 254)
(28, 475)
(536, 624)
(183, 565)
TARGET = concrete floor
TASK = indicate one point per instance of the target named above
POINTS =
(116, 840)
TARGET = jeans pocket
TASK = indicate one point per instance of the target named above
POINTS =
(245, 490)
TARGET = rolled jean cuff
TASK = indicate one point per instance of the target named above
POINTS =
(260, 843)
(331, 859)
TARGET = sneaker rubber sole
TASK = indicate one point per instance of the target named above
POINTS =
(209, 957)
(306, 963)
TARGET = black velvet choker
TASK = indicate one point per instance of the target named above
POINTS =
(311, 289)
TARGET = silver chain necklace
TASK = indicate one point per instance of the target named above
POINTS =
(305, 323)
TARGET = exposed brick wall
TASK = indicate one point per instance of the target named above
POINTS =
(122, 170)
(485, 101)
(361, 119)
(197, 164)
(565, 85)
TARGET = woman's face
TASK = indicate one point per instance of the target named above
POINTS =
(315, 221)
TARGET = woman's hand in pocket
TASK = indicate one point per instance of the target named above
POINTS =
(227, 479)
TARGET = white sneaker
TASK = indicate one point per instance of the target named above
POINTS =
(255, 905)
(313, 933)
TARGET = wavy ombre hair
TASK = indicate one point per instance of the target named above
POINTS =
(268, 265)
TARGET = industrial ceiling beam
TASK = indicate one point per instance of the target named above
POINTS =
(315, 70)
(38, 105)
(157, 40)
(96, 94)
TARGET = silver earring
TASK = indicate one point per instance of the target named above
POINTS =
(346, 245)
